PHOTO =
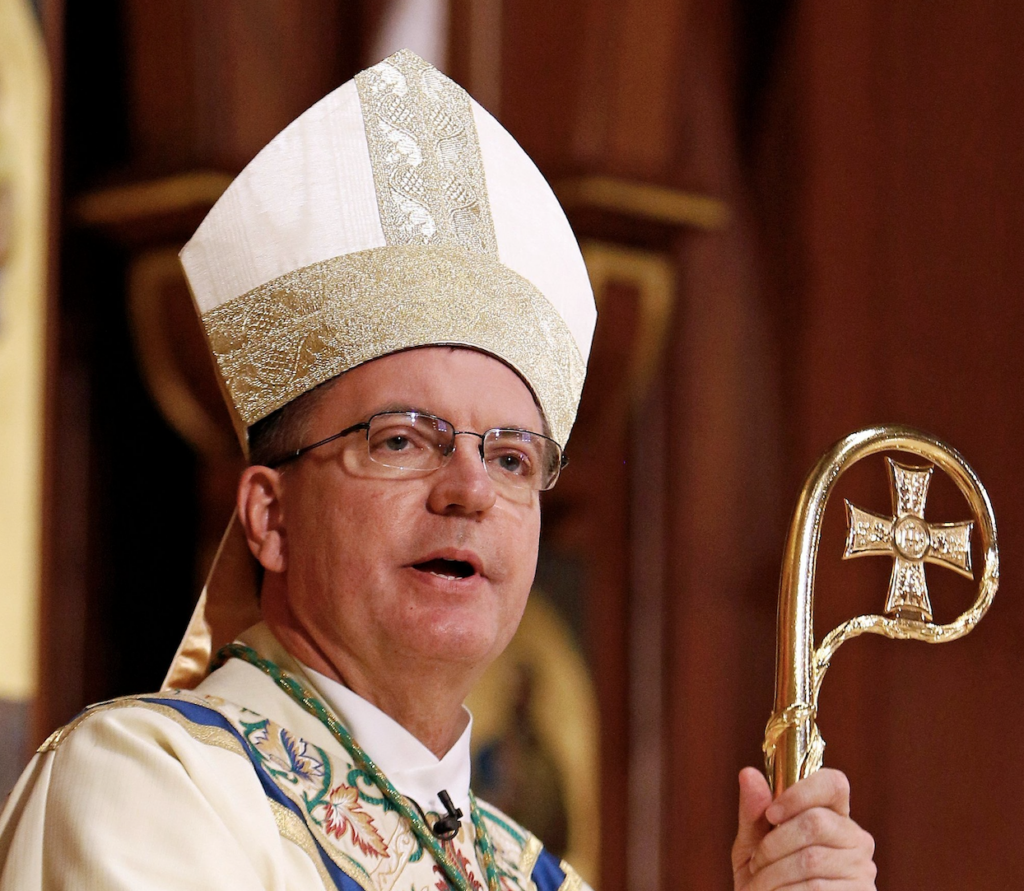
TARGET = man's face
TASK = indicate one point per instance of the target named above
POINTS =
(366, 575)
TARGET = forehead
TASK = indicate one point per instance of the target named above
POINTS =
(471, 389)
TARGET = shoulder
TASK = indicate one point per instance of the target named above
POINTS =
(125, 787)
(519, 852)
(149, 751)
(170, 719)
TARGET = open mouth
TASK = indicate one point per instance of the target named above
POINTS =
(446, 569)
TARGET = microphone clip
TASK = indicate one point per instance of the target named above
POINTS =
(447, 827)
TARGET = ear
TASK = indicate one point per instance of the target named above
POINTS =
(262, 517)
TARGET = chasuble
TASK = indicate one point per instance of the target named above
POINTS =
(233, 785)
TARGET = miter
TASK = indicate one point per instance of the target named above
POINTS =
(395, 213)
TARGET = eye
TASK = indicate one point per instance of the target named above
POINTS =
(404, 440)
(395, 437)
(513, 453)
(513, 463)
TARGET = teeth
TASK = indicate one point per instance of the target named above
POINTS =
(453, 570)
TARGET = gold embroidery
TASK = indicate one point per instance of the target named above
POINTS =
(425, 156)
(285, 337)
(215, 736)
(305, 834)
(295, 830)
(531, 851)
(54, 740)
(210, 736)
(572, 880)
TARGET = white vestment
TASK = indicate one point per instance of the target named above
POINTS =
(235, 785)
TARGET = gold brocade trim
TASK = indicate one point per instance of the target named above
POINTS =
(305, 834)
(212, 736)
(294, 829)
(285, 337)
(425, 156)
(531, 851)
(54, 740)
(572, 880)
(290, 825)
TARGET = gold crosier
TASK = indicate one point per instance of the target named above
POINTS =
(793, 746)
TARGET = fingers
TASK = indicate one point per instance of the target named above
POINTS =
(814, 843)
(819, 866)
(826, 788)
(818, 841)
(755, 797)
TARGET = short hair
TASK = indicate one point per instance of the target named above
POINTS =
(285, 430)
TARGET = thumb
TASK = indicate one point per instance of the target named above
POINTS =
(755, 796)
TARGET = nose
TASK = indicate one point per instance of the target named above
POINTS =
(462, 485)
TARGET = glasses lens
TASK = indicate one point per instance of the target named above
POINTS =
(408, 440)
(522, 459)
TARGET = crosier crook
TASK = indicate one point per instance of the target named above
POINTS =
(793, 746)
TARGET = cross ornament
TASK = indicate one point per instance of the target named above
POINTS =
(910, 540)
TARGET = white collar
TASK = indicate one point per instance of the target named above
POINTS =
(410, 766)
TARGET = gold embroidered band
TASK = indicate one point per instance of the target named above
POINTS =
(283, 338)
(425, 155)
(531, 853)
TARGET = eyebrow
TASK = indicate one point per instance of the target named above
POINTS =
(401, 406)
(406, 407)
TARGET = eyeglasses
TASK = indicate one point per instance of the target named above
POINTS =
(410, 443)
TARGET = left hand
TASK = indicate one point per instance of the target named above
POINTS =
(806, 834)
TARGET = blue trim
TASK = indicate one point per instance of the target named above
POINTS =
(209, 717)
(547, 872)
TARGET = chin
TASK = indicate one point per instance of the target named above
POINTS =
(468, 646)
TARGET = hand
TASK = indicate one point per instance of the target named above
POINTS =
(804, 839)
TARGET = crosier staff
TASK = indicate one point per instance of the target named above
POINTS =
(793, 746)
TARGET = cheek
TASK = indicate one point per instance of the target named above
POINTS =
(356, 536)
(522, 543)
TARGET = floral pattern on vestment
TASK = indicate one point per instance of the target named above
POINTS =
(349, 819)
(362, 841)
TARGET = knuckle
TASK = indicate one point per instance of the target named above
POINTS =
(843, 784)
(839, 782)
(811, 860)
(814, 823)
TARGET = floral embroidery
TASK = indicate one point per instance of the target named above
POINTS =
(340, 811)
(364, 783)
(462, 861)
(300, 762)
(346, 813)
(287, 757)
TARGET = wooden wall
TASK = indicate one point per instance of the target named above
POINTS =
(891, 187)
(869, 157)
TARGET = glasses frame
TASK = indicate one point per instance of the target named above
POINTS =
(563, 459)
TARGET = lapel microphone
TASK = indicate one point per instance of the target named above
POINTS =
(447, 827)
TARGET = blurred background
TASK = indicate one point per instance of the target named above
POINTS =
(801, 218)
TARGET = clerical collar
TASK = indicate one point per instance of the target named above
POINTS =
(411, 767)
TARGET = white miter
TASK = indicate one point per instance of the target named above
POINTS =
(395, 213)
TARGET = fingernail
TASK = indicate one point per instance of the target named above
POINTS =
(773, 814)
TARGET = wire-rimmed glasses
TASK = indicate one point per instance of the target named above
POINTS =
(411, 443)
